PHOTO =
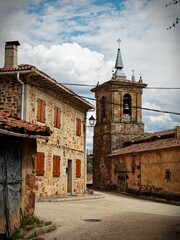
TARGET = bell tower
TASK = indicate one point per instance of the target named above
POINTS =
(118, 119)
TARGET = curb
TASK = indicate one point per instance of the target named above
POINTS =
(72, 198)
(39, 231)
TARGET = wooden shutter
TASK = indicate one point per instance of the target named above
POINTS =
(41, 109)
(78, 127)
(56, 166)
(78, 168)
(40, 164)
(57, 117)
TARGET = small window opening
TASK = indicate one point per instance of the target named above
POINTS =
(167, 174)
(127, 104)
(103, 108)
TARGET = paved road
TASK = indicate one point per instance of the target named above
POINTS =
(114, 217)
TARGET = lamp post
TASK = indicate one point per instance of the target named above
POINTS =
(91, 123)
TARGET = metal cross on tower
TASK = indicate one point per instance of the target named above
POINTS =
(118, 40)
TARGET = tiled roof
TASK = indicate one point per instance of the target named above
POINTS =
(15, 125)
(148, 146)
(48, 82)
(147, 137)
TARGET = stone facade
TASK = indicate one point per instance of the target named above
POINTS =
(63, 142)
(116, 126)
(150, 167)
(21, 87)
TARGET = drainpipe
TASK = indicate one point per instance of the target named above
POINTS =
(22, 96)
(85, 156)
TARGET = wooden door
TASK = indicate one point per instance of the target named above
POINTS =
(10, 185)
(69, 177)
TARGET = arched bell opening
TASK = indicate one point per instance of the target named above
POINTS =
(127, 104)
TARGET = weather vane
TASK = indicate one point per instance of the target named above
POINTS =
(119, 40)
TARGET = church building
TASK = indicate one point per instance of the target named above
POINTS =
(118, 119)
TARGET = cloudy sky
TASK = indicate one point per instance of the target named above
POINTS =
(76, 42)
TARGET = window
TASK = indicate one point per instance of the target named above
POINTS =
(78, 168)
(167, 174)
(103, 108)
(78, 127)
(127, 104)
(40, 164)
(56, 166)
(57, 117)
(41, 105)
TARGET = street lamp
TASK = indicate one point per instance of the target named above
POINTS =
(92, 121)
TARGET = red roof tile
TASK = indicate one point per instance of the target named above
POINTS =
(12, 124)
(148, 146)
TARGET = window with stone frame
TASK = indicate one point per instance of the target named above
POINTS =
(78, 168)
(78, 127)
(57, 117)
(40, 164)
(56, 166)
(41, 110)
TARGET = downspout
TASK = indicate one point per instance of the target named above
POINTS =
(85, 156)
(22, 96)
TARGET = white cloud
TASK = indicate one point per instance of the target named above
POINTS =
(75, 41)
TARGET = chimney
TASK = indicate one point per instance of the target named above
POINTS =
(11, 56)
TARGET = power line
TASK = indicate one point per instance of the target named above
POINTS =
(143, 108)
(89, 85)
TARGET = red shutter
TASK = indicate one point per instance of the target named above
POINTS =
(40, 164)
(57, 117)
(78, 168)
(78, 127)
(38, 109)
(41, 109)
(56, 166)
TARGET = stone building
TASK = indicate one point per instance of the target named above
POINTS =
(149, 165)
(18, 148)
(32, 95)
(118, 118)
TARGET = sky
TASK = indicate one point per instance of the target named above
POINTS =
(75, 42)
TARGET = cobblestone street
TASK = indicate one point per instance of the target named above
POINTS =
(114, 217)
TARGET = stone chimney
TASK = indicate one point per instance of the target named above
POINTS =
(11, 54)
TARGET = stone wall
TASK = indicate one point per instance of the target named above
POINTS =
(111, 132)
(29, 148)
(10, 97)
(149, 173)
(63, 142)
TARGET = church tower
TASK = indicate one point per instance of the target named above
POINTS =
(118, 118)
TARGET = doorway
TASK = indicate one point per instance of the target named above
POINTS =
(10, 185)
(69, 177)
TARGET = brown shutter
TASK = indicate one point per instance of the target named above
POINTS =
(56, 166)
(40, 164)
(43, 111)
(38, 109)
(78, 168)
(78, 127)
(57, 117)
